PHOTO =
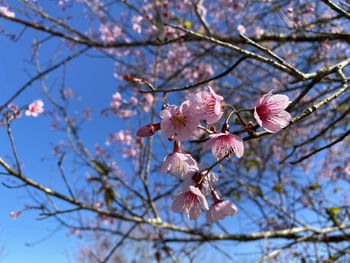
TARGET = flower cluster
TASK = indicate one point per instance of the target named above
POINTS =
(125, 109)
(204, 110)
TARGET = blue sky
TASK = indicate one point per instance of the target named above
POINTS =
(90, 78)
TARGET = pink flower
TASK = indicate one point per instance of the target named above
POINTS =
(190, 202)
(209, 105)
(35, 108)
(223, 144)
(133, 101)
(15, 214)
(110, 33)
(270, 114)
(67, 93)
(179, 164)
(179, 122)
(241, 29)
(117, 101)
(6, 12)
(148, 130)
(219, 210)
(136, 20)
(148, 102)
(196, 178)
(125, 113)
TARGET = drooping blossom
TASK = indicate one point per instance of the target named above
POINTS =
(148, 130)
(6, 12)
(203, 179)
(179, 164)
(224, 143)
(190, 201)
(35, 108)
(209, 105)
(219, 210)
(270, 113)
(179, 122)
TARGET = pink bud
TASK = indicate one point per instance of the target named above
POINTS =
(148, 130)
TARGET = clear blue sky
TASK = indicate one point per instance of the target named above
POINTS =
(89, 78)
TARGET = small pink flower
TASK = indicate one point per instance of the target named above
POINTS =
(67, 94)
(133, 101)
(148, 102)
(241, 29)
(219, 210)
(148, 130)
(179, 164)
(125, 113)
(35, 108)
(223, 144)
(110, 33)
(123, 137)
(190, 201)
(117, 101)
(15, 214)
(179, 122)
(6, 12)
(270, 113)
(209, 105)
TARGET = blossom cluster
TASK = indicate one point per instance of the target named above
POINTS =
(179, 123)
(127, 108)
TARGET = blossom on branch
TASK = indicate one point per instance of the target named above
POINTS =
(35, 108)
(179, 122)
(179, 164)
(209, 105)
(219, 210)
(190, 201)
(270, 113)
(6, 12)
(223, 144)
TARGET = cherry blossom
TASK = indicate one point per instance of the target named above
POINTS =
(270, 113)
(15, 214)
(117, 101)
(133, 101)
(179, 164)
(223, 144)
(219, 210)
(110, 33)
(35, 108)
(179, 122)
(204, 179)
(148, 102)
(190, 201)
(67, 94)
(6, 12)
(209, 105)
